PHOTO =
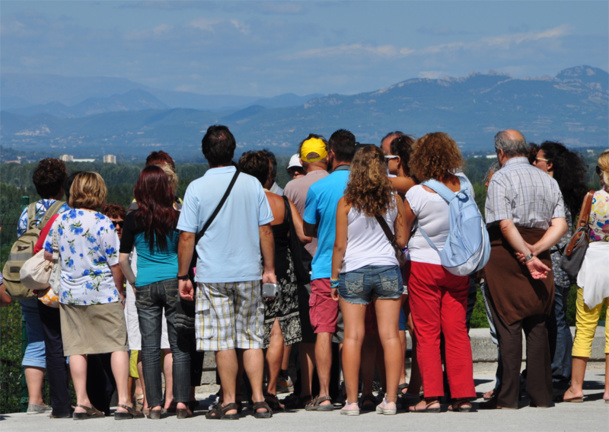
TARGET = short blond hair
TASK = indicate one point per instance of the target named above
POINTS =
(88, 191)
(173, 177)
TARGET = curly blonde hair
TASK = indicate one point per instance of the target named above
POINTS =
(435, 156)
(369, 188)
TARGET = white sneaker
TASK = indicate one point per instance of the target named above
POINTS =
(387, 408)
(350, 409)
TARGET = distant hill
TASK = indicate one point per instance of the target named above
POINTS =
(571, 107)
(37, 94)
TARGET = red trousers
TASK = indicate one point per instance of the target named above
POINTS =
(438, 300)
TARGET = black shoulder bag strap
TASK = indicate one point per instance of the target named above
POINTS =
(217, 210)
(193, 262)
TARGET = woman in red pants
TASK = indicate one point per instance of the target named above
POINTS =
(438, 299)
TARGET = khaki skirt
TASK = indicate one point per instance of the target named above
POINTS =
(94, 329)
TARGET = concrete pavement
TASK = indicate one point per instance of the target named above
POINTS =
(592, 415)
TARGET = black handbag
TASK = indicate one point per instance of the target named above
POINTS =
(575, 251)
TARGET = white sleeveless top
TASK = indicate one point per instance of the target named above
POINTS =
(367, 243)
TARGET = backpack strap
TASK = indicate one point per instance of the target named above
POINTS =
(31, 216)
(441, 189)
(52, 211)
(424, 234)
(446, 194)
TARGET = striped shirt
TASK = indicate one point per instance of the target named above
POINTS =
(525, 194)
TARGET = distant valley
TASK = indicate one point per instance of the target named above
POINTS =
(89, 117)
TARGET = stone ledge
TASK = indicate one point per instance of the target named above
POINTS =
(483, 350)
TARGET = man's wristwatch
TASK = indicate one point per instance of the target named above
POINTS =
(526, 260)
(183, 277)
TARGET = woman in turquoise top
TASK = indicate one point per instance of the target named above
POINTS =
(151, 229)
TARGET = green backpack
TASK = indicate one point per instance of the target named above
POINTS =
(23, 249)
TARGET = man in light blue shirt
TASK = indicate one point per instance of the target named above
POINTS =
(229, 311)
(320, 221)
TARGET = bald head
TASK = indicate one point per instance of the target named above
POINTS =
(386, 141)
(512, 143)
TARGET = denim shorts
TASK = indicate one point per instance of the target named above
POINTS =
(362, 285)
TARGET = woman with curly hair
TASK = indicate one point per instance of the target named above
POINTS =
(438, 298)
(569, 170)
(365, 269)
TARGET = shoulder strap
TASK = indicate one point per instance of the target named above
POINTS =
(424, 234)
(584, 214)
(390, 236)
(50, 213)
(288, 210)
(440, 189)
(31, 216)
(383, 223)
(217, 210)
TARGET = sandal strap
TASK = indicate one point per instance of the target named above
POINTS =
(262, 404)
(89, 409)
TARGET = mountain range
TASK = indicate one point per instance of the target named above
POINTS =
(95, 116)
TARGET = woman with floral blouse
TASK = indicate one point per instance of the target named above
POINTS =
(592, 288)
(90, 294)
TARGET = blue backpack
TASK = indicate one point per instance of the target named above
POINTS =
(467, 248)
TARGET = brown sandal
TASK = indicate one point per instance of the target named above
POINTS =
(266, 414)
(315, 404)
(131, 413)
(90, 412)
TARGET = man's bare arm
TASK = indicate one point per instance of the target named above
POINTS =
(185, 251)
(267, 248)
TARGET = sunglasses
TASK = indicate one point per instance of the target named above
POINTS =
(389, 157)
(118, 224)
(542, 160)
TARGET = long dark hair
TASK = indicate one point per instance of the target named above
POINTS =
(155, 213)
(569, 170)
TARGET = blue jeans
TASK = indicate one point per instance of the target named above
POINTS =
(561, 341)
(35, 352)
(150, 301)
(361, 285)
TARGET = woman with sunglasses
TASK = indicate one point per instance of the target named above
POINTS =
(569, 171)
(398, 148)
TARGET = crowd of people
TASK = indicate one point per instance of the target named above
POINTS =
(325, 275)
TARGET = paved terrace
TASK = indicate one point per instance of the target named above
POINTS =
(590, 416)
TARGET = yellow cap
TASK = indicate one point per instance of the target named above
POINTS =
(312, 150)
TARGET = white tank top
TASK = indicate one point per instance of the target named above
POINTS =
(367, 243)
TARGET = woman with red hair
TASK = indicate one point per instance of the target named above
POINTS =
(151, 229)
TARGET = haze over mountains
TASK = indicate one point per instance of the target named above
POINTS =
(94, 116)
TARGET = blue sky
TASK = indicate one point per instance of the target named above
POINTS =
(269, 48)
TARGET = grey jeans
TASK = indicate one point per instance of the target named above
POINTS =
(150, 301)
